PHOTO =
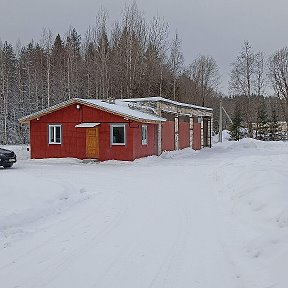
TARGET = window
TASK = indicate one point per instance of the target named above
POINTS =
(118, 134)
(55, 134)
(144, 135)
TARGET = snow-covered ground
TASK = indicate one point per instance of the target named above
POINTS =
(211, 219)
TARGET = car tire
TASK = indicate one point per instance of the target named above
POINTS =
(7, 166)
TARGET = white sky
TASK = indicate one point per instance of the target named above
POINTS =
(211, 27)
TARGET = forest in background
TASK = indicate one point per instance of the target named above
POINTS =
(131, 58)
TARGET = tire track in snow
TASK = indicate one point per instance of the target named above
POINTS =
(71, 229)
(164, 270)
(92, 240)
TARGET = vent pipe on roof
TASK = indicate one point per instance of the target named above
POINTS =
(109, 100)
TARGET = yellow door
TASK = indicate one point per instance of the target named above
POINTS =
(92, 143)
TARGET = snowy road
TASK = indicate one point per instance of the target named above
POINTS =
(217, 218)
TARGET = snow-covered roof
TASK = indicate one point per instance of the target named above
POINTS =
(117, 107)
(161, 99)
(122, 108)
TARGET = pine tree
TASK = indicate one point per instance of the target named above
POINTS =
(58, 70)
(236, 128)
(8, 100)
(262, 123)
(274, 127)
(73, 59)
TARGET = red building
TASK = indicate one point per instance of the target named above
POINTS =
(117, 129)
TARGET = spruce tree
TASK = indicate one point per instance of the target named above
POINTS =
(236, 128)
(8, 95)
(262, 123)
(274, 127)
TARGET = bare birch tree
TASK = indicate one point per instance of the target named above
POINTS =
(278, 75)
(246, 79)
(156, 54)
(134, 38)
(260, 75)
(205, 74)
(46, 44)
(176, 61)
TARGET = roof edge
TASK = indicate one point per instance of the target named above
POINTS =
(30, 117)
(162, 99)
(45, 111)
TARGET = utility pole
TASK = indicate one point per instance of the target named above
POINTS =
(229, 118)
(220, 121)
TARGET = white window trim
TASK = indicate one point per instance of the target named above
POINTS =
(144, 141)
(111, 134)
(54, 131)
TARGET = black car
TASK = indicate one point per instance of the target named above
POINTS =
(7, 158)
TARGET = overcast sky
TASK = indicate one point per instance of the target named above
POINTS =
(210, 27)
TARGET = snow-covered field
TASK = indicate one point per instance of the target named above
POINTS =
(211, 219)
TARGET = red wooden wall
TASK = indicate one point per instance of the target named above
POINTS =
(168, 136)
(140, 150)
(74, 139)
(197, 136)
(184, 135)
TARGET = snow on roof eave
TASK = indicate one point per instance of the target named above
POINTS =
(27, 119)
(162, 99)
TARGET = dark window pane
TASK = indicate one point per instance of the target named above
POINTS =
(144, 134)
(118, 135)
(51, 134)
(58, 134)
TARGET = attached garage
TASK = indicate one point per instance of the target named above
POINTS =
(186, 125)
